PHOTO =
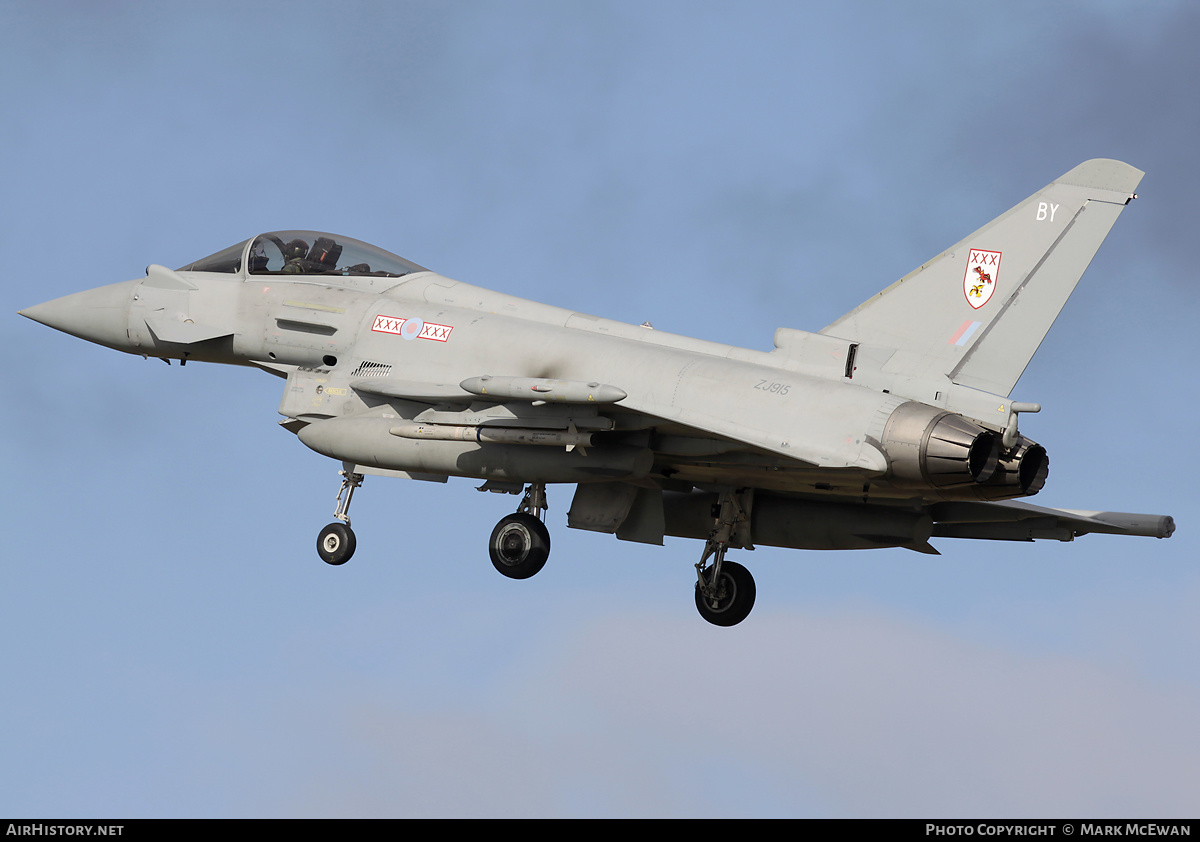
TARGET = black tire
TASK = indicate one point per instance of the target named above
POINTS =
(519, 546)
(336, 543)
(735, 599)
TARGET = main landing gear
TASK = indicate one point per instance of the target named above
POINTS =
(520, 543)
(336, 542)
(725, 589)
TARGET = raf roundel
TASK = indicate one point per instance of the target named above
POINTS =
(412, 328)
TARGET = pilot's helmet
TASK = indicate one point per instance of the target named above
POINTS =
(295, 250)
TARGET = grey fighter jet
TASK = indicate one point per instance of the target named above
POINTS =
(890, 427)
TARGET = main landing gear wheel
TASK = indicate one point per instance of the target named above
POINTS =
(336, 543)
(519, 546)
(728, 600)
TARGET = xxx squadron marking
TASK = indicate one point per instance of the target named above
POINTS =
(979, 281)
(412, 328)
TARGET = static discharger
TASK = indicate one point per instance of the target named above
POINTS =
(542, 390)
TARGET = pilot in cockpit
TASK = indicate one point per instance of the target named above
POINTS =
(294, 254)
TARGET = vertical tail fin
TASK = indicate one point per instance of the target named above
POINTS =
(977, 312)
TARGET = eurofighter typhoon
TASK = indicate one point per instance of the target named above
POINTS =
(888, 428)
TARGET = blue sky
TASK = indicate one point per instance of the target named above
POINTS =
(174, 647)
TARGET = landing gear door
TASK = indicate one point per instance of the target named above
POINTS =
(309, 394)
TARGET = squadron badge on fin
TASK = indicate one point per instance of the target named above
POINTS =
(979, 282)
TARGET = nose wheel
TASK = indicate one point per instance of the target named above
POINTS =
(336, 542)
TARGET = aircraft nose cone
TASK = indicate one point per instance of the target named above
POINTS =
(98, 315)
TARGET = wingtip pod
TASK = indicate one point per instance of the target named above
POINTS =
(1129, 523)
(1020, 521)
(1168, 527)
(1104, 174)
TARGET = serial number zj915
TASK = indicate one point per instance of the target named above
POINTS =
(773, 388)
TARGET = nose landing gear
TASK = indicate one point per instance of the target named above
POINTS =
(336, 542)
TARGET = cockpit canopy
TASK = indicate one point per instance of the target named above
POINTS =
(304, 253)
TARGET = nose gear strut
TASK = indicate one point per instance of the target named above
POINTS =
(336, 543)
